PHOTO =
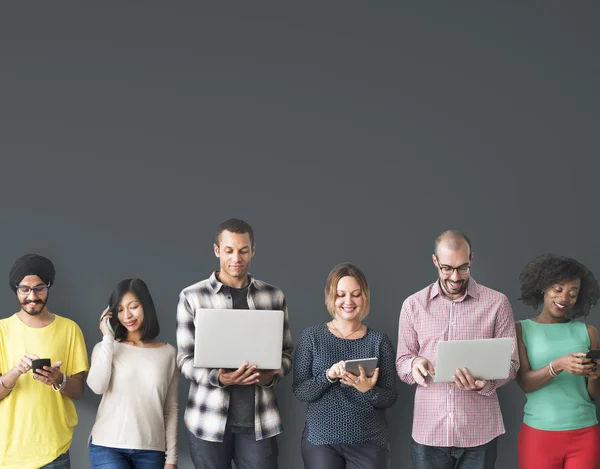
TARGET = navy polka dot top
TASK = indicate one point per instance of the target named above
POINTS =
(338, 413)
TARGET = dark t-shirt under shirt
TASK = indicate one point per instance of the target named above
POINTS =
(241, 401)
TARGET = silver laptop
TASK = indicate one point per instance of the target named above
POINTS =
(226, 338)
(484, 358)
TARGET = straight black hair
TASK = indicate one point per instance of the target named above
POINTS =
(150, 328)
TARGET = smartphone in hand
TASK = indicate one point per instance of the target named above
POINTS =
(39, 363)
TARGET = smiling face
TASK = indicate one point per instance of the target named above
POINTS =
(349, 299)
(130, 313)
(560, 298)
(453, 266)
(34, 301)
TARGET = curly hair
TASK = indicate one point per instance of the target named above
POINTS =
(548, 269)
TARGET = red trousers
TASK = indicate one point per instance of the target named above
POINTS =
(571, 449)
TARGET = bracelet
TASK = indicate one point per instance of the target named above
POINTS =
(61, 385)
(4, 386)
(551, 370)
(327, 376)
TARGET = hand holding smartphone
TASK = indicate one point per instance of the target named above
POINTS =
(39, 363)
(593, 354)
(106, 319)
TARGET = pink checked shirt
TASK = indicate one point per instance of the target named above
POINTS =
(443, 414)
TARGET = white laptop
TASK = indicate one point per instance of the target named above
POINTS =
(226, 338)
(484, 358)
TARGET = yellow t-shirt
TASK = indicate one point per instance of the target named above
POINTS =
(36, 422)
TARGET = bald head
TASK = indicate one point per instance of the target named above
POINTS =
(452, 240)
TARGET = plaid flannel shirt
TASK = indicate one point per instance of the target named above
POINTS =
(208, 401)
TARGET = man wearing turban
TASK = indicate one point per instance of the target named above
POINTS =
(37, 413)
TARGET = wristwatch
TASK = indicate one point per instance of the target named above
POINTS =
(62, 383)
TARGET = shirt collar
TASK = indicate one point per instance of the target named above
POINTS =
(217, 285)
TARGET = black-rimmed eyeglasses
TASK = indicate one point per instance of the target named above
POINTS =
(449, 270)
(26, 289)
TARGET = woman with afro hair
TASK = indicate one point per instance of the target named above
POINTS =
(560, 429)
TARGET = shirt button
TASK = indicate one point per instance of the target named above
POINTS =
(450, 415)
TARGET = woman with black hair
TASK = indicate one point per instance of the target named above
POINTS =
(560, 429)
(136, 424)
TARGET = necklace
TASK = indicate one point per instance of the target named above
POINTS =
(345, 337)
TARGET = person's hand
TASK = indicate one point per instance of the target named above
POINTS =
(104, 318)
(574, 363)
(244, 375)
(361, 382)
(266, 376)
(170, 466)
(25, 363)
(595, 373)
(464, 380)
(337, 370)
(421, 368)
(50, 374)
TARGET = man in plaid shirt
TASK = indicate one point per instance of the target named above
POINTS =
(231, 414)
(455, 425)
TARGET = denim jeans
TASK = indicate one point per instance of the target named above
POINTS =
(243, 448)
(62, 462)
(118, 458)
(435, 457)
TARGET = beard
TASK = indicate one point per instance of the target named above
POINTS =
(34, 307)
(455, 291)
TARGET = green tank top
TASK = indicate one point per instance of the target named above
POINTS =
(563, 403)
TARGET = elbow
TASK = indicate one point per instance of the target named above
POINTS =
(524, 385)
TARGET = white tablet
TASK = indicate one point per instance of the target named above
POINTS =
(484, 358)
(226, 338)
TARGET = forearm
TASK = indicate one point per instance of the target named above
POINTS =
(313, 388)
(492, 385)
(408, 345)
(9, 380)
(404, 368)
(203, 376)
(380, 397)
(171, 421)
(73, 388)
(533, 380)
(101, 368)
(593, 386)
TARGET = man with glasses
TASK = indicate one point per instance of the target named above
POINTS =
(37, 414)
(455, 425)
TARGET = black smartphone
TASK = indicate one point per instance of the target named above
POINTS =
(39, 363)
(593, 354)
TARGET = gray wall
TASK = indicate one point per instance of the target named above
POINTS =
(347, 132)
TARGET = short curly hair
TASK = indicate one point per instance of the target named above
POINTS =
(548, 269)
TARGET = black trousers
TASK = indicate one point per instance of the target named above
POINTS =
(239, 447)
(341, 456)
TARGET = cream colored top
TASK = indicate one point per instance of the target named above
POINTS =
(139, 403)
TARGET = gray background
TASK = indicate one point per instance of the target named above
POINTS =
(341, 132)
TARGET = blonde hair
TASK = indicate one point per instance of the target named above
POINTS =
(337, 273)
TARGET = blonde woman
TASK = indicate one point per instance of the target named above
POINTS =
(345, 416)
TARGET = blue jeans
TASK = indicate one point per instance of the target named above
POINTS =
(118, 458)
(436, 457)
(62, 462)
(243, 448)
